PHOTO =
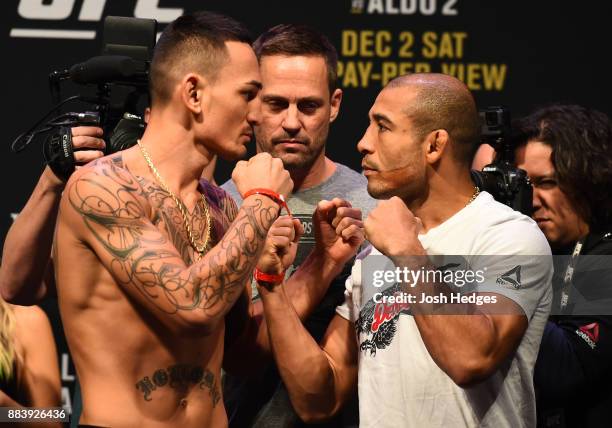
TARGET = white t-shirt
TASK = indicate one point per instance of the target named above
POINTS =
(399, 383)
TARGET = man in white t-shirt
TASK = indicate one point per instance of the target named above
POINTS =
(454, 348)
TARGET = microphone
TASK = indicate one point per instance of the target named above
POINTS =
(106, 69)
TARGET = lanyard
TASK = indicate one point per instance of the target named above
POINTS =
(569, 274)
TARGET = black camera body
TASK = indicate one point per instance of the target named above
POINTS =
(120, 76)
(502, 179)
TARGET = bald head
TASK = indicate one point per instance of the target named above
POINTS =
(443, 102)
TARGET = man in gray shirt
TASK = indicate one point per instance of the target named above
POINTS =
(299, 100)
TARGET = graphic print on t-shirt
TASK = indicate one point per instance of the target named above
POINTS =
(307, 240)
(377, 322)
(512, 278)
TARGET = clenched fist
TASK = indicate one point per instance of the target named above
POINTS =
(262, 171)
(281, 245)
(393, 229)
(338, 230)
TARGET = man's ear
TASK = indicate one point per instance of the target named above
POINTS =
(436, 143)
(335, 101)
(194, 89)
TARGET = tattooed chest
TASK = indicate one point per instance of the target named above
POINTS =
(169, 219)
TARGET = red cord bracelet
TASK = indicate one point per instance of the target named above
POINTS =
(268, 277)
(276, 197)
(280, 200)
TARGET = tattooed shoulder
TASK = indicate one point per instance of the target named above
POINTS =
(108, 199)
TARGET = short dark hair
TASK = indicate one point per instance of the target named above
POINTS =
(298, 39)
(443, 102)
(196, 40)
(581, 142)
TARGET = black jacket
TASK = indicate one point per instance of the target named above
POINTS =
(573, 373)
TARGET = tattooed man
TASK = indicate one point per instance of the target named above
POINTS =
(148, 258)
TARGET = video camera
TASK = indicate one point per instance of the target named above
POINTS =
(502, 179)
(120, 75)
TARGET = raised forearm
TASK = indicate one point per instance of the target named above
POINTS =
(309, 283)
(303, 365)
(27, 247)
(220, 276)
(304, 290)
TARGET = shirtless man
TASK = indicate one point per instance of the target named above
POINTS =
(142, 287)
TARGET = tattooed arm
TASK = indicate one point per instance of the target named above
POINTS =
(241, 313)
(108, 211)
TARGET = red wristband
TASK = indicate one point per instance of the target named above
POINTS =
(276, 197)
(268, 277)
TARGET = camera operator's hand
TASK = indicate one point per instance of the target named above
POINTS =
(88, 145)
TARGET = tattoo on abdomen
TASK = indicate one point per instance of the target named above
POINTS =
(111, 202)
(180, 377)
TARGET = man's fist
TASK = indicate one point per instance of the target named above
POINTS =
(393, 229)
(281, 245)
(338, 230)
(262, 171)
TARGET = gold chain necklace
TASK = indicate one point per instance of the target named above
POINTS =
(474, 195)
(199, 249)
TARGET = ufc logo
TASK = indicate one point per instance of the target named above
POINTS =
(92, 10)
